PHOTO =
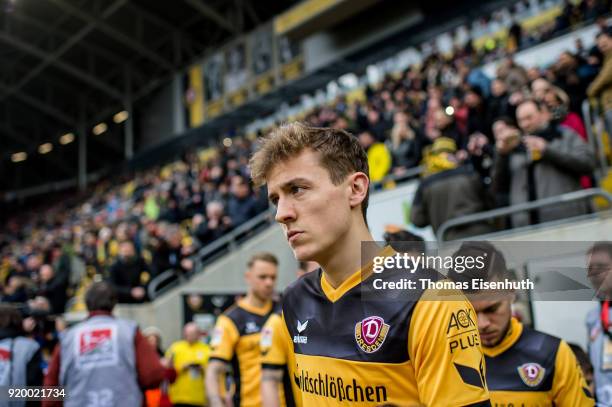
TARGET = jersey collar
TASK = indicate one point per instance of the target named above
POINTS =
(242, 303)
(514, 333)
(334, 294)
(99, 313)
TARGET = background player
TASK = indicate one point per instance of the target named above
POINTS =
(524, 366)
(274, 356)
(235, 340)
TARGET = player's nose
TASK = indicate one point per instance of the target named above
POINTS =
(483, 322)
(285, 211)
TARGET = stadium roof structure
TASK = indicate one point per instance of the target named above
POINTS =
(71, 63)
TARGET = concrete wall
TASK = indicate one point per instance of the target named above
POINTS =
(325, 47)
(548, 52)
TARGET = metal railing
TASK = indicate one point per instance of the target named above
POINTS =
(168, 278)
(231, 241)
(525, 206)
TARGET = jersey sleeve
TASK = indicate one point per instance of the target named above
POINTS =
(273, 343)
(569, 386)
(444, 346)
(224, 339)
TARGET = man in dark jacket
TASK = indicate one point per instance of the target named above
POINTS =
(241, 205)
(477, 112)
(53, 287)
(130, 274)
(172, 254)
(499, 102)
(546, 161)
(448, 191)
(215, 226)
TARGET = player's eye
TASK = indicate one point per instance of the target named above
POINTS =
(492, 309)
(295, 189)
(274, 201)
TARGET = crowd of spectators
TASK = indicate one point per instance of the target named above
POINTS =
(128, 232)
(480, 142)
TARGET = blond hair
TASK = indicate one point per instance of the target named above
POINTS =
(339, 152)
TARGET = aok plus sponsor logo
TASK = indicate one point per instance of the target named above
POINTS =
(462, 331)
(338, 388)
(461, 321)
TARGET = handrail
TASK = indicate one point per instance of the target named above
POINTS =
(525, 206)
(71, 302)
(157, 280)
(228, 239)
(231, 237)
(594, 140)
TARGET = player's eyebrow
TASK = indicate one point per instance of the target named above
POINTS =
(492, 307)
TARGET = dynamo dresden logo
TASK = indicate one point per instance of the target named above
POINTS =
(532, 374)
(370, 333)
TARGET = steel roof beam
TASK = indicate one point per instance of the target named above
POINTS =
(213, 15)
(112, 32)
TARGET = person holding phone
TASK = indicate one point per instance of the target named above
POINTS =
(189, 357)
(542, 160)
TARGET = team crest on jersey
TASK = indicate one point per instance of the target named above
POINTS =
(532, 374)
(266, 338)
(370, 333)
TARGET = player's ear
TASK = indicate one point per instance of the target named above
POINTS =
(359, 183)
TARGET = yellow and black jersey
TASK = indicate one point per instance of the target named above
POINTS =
(275, 355)
(235, 340)
(531, 368)
(358, 346)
